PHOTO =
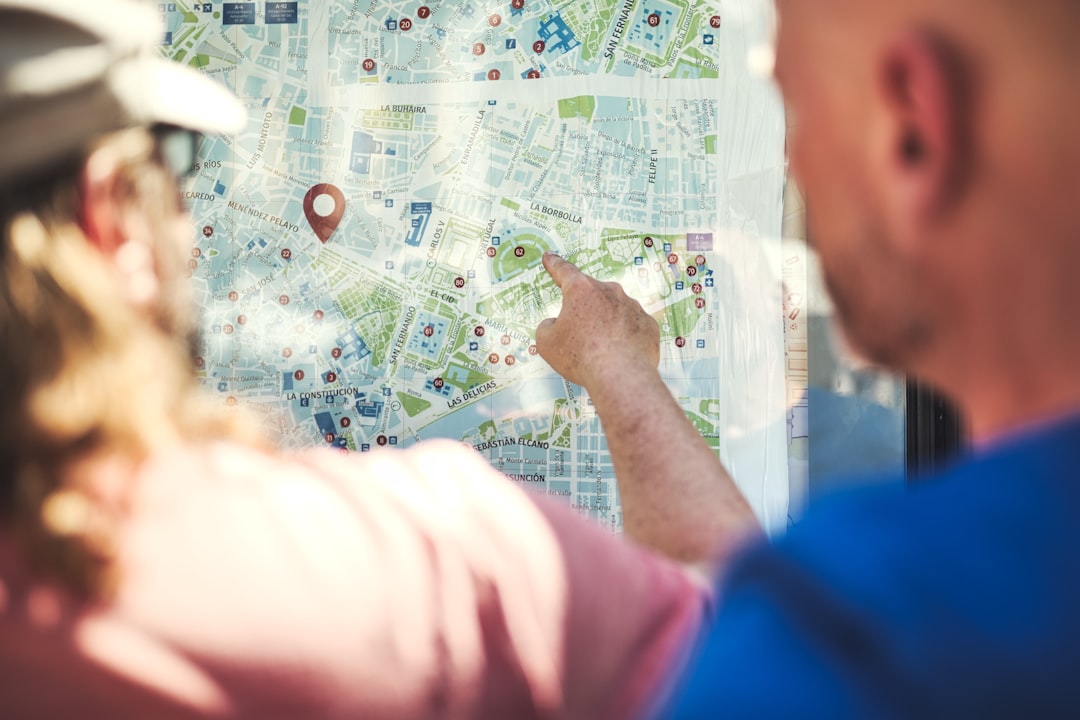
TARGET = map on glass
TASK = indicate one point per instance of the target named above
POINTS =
(367, 254)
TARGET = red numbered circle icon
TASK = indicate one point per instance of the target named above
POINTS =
(287, 353)
(405, 24)
(493, 358)
(286, 254)
(381, 440)
(208, 231)
(331, 377)
(538, 46)
(696, 287)
(510, 359)
(283, 299)
(368, 64)
(478, 49)
(714, 21)
(680, 342)
(345, 422)
(491, 252)
(533, 350)
(479, 331)
(459, 282)
(692, 270)
(532, 74)
(517, 4)
(519, 252)
(423, 12)
(505, 339)
(298, 375)
(234, 296)
(699, 303)
(673, 259)
(429, 331)
(495, 20)
(493, 74)
(228, 329)
(438, 383)
(335, 353)
(653, 20)
(649, 242)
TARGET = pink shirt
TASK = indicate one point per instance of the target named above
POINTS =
(394, 584)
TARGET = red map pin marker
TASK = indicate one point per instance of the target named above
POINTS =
(324, 206)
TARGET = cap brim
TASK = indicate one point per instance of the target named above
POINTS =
(167, 92)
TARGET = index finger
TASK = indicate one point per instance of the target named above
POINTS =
(561, 270)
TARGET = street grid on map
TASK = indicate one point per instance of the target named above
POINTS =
(631, 154)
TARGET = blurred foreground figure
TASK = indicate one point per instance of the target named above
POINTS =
(937, 145)
(158, 560)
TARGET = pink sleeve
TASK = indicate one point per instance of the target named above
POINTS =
(416, 583)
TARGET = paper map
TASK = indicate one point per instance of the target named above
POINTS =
(368, 249)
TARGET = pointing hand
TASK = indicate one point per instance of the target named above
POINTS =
(600, 334)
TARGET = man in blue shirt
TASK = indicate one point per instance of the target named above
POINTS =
(936, 143)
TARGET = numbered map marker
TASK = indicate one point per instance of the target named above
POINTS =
(324, 206)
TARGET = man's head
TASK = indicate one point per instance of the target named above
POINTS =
(95, 129)
(935, 143)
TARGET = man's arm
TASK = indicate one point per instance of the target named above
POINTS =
(677, 497)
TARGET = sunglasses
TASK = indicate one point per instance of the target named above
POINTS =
(178, 149)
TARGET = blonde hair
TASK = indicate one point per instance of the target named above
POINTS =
(87, 370)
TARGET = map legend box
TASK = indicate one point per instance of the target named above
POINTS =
(282, 13)
(699, 242)
(238, 14)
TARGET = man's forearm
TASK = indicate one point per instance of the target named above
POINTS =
(677, 497)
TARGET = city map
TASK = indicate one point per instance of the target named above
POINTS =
(367, 253)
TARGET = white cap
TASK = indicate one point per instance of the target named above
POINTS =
(74, 70)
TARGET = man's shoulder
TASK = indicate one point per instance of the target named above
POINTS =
(1000, 519)
(1027, 480)
(956, 596)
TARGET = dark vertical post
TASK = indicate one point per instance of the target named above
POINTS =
(935, 435)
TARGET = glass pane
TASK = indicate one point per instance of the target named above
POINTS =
(846, 420)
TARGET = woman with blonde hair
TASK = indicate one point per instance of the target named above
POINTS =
(157, 557)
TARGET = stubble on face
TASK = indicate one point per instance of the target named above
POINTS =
(825, 82)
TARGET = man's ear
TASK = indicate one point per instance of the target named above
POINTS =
(922, 144)
(100, 211)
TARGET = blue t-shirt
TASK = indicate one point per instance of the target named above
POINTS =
(958, 598)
